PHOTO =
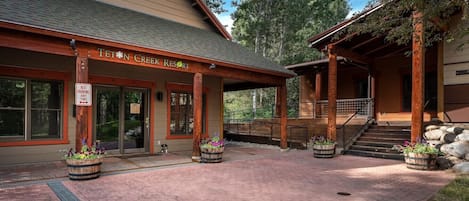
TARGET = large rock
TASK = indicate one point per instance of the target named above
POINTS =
(443, 163)
(450, 129)
(461, 168)
(465, 131)
(462, 137)
(434, 143)
(457, 149)
(448, 138)
(443, 128)
(454, 160)
(467, 156)
(431, 127)
(458, 130)
(434, 134)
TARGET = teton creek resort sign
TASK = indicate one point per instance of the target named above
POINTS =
(141, 58)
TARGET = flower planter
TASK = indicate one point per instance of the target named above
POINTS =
(420, 161)
(324, 151)
(211, 155)
(84, 169)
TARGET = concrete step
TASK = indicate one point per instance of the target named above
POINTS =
(373, 154)
(388, 130)
(394, 140)
(374, 143)
(385, 135)
(374, 149)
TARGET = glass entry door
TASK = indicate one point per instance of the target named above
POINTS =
(121, 119)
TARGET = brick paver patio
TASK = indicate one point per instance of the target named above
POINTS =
(254, 174)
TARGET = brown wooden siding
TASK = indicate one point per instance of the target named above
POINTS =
(176, 10)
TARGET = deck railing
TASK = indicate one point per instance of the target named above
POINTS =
(346, 107)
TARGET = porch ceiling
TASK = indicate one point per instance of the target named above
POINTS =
(373, 47)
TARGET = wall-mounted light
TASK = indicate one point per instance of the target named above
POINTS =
(159, 96)
(212, 66)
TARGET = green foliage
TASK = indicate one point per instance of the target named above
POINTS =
(216, 6)
(279, 30)
(86, 153)
(321, 140)
(417, 148)
(457, 190)
(394, 20)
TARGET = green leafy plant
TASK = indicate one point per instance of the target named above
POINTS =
(212, 143)
(86, 152)
(418, 148)
(321, 140)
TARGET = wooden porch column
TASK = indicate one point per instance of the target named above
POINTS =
(81, 76)
(197, 116)
(440, 84)
(332, 94)
(317, 93)
(283, 114)
(418, 79)
(278, 103)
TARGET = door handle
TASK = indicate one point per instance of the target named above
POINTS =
(147, 122)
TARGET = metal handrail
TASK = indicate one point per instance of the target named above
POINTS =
(349, 119)
(355, 113)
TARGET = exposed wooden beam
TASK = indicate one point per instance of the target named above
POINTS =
(418, 79)
(378, 49)
(338, 51)
(393, 53)
(332, 94)
(363, 43)
(347, 37)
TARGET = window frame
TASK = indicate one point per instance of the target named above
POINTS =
(40, 75)
(184, 88)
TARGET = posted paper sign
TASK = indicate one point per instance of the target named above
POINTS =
(83, 94)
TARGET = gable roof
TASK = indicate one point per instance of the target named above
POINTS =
(106, 22)
(213, 19)
(325, 37)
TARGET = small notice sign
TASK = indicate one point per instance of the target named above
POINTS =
(134, 108)
(83, 94)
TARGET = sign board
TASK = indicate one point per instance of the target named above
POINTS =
(134, 108)
(83, 94)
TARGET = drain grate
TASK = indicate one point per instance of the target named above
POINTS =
(344, 193)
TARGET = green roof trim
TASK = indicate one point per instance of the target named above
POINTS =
(106, 22)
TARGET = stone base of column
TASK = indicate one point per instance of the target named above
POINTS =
(284, 150)
(196, 159)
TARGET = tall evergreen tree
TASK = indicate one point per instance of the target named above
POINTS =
(279, 29)
(216, 6)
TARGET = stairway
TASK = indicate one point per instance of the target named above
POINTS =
(377, 141)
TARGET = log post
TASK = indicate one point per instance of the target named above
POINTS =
(278, 103)
(81, 76)
(317, 93)
(418, 79)
(332, 94)
(440, 84)
(198, 85)
(283, 114)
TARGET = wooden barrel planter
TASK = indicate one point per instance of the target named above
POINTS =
(324, 151)
(84, 169)
(211, 155)
(420, 161)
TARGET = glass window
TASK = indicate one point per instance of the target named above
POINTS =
(181, 122)
(43, 106)
(182, 116)
(12, 107)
